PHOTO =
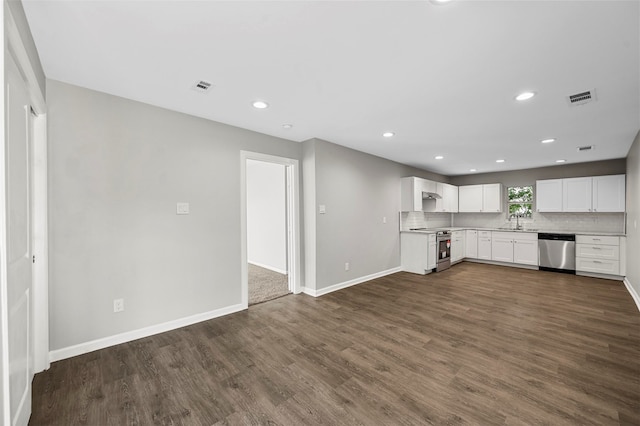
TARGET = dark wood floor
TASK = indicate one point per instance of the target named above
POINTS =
(477, 344)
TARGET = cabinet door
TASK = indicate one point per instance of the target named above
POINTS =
(549, 195)
(411, 194)
(608, 193)
(452, 198)
(470, 198)
(576, 194)
(492, 198)
(502, 247)
(414, 252)
(457, 246)
(471, 244)
(484, 248)
(525, 251)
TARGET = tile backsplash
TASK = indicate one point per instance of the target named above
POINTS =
(579, 222)
(589, 222)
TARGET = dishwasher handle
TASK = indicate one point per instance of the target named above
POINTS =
(556, 237)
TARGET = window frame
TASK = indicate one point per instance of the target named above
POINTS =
(529, 202)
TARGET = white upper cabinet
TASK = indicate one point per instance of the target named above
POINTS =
(583, 194)
(576, 194)
(470, 198)
(480, 198)
(492, 197)
(449, 201)
(608, 193)
(549, 195)
(411, 194)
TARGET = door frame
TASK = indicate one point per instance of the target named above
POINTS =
(292, 173)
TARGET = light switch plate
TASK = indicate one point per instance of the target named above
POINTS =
(322, 208)
(182, 208)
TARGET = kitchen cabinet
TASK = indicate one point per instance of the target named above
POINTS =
(484, 245)
(457, 246)
(598, 254)
(608, 193)
(411, 194)
(417, 252)
(549, 195)
(449, 201)
(576, 194)
(471, 244)
(583, 194)
(502, 246)
(525, 248)
(480, 198)
(515, 247)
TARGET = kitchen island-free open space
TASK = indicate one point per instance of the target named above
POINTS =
(476, 344)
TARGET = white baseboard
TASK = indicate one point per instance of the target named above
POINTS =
(340, 286)
(271, 268)
(632, 292)
(94, 345)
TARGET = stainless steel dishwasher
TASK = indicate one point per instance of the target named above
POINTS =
(557, 252)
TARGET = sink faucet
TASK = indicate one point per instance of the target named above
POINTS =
(517, 216)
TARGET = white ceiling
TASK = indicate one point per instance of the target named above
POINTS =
(442, 77)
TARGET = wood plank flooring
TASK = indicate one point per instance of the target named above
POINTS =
(476, 344)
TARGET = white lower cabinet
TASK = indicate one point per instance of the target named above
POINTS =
(457, 246)
(515, 247)
(484, 245)
(525, 249)
(502, 246)
(471, 244)
(417, 252)
(598, 254)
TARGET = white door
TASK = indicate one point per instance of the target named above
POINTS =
(470, 198)
(502, 247)
(18, 245)
(492, 197)
(608, 193)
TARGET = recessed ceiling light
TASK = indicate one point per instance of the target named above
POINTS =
(472, 170)
(287, 126)
(438, 157)
(500, 161)
(548, 140)
(440, 1)
(260, 104)
(388, 134)
(561, 161)
(525, 95)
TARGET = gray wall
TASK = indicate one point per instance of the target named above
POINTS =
(266, 215)
(116, 170)
(358, 190)
(529, 176)
(633, 214)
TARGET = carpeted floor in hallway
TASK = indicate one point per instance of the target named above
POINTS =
(265, 284)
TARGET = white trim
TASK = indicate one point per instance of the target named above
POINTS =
(271, 268)
(340, 286)
(129, 336)
(40, 246)
(293, 220)
(632, 292)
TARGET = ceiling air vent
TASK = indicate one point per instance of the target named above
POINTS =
(582, 98)
(202, 86)
(585, 148)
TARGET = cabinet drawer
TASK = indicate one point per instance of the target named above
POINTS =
(596, 251)
(485, 234)
(611, 267)
(596, 239)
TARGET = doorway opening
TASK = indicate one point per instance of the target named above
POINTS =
(270, 256)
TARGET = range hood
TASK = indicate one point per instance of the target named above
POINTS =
(431, 196)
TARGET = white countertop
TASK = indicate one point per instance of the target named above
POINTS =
(537, 231)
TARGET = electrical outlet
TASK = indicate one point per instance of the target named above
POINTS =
(384, 219)
(118, 305)
(346, 266)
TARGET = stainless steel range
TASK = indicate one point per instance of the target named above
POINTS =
(443, 245)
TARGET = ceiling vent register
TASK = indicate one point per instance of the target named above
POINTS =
(202, 86)
(585, 148)
(582, 98)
